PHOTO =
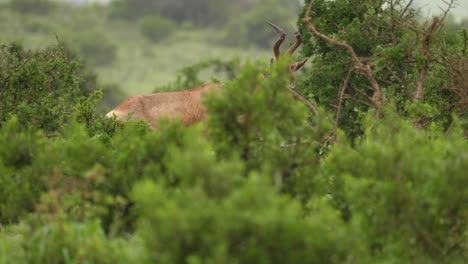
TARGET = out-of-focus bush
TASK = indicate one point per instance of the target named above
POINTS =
(189, 77)
(66, 242)
(200, 12)
(32, 6)
(36, 26)
(96, 48)
(407, 187)
(21, 170)
(250, 27)
(156, 28)
(249, 224)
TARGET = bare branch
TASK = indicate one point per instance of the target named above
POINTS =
(299, 97)
(406, 8)
(450, 4)
(425, 53)
(340, 99)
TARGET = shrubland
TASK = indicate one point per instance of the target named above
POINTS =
(369, 179)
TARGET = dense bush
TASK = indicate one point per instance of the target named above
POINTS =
(40, 88)
(408, 60)
(62, 242)
(22, 164)
(249, 224)
(407, 187)
(44, 88)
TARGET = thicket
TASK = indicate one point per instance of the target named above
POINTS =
(377, 55)
(263, 180)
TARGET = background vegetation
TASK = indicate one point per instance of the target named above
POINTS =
(138, 44)
(377, 175)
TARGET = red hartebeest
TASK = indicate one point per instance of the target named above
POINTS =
(187, 105)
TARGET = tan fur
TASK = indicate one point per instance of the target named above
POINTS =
(185, 105)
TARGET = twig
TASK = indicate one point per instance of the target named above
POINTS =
(450, 5)
(406, 8)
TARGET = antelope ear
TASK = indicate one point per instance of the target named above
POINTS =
(298, 65)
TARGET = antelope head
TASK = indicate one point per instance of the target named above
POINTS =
(292, 68)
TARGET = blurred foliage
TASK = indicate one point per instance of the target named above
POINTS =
(41, 7)
(250, 224)
(98, 50)
(250, 27)
(244, 20)
(401, 184)
(198, 11)
(156, 28)
(189, 77)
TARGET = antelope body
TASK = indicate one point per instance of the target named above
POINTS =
(184, 105)
(187, 105)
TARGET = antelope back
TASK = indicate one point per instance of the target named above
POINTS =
(184, 105)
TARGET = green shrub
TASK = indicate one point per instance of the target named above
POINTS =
(41, 88)
(250, 224)
(407, 187)
(65, 242)
(257, 119)
(22, 169)
(156, 28)
(395, 55)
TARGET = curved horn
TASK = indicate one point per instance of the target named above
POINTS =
(282, 36)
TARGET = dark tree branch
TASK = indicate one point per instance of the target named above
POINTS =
(299, 97)
(406, 8)
(426, 54)
(340, 100)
